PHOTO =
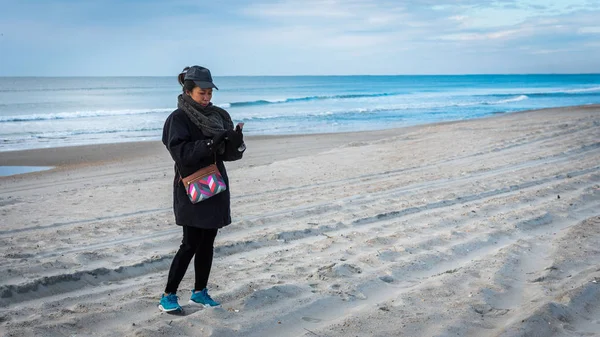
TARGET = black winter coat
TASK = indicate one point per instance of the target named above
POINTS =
(187, 146)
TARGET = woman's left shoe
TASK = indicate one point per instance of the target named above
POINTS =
(203, 298)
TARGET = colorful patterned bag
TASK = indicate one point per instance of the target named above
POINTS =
(204, 183)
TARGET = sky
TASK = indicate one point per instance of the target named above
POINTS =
(308, 37)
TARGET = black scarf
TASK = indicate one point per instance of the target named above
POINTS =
(211, 120)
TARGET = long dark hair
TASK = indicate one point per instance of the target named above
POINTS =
(188, 85)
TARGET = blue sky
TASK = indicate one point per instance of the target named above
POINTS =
(309, 37)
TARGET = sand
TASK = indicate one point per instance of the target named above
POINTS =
(486, 227)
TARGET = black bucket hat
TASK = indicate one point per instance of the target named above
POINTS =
(201, 76)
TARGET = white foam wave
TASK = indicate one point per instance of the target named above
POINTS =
(312, 114)
(80, 114)
(383, 109)
(592, 89)
(510, 100)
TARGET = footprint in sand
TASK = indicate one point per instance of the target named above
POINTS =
(311, 319)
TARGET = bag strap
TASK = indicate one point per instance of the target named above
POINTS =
(179, 172)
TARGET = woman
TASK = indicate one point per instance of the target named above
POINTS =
(197, 135)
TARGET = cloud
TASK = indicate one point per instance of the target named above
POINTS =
(294, 9)
(480, 36)
(292, 37)
(589, 30)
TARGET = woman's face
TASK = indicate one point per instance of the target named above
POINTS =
(201, 96)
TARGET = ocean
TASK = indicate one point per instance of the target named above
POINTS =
(52, 112)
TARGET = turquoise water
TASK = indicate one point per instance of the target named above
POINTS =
(50, 112)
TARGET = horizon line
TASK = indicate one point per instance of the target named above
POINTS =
(327, 75)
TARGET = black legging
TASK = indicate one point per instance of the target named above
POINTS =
(196, 241)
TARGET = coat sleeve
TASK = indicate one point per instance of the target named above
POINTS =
(183, 150)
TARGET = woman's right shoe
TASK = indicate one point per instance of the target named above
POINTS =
(169, 303)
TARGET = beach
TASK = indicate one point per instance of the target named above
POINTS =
(482, 227)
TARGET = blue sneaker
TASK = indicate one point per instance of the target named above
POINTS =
(203, 298)
(169, 303)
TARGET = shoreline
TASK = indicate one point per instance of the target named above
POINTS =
(61, 157)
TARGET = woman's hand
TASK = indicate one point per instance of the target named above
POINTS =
(235, 137)
(218, 139)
